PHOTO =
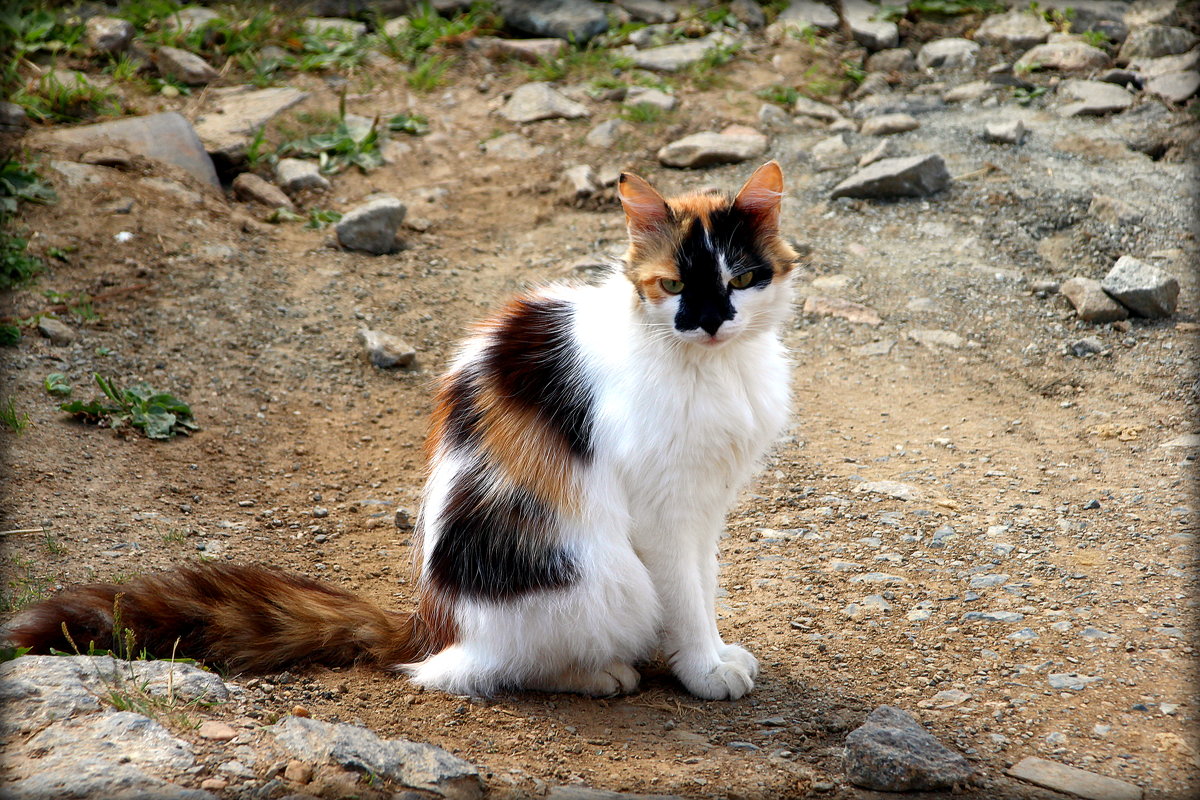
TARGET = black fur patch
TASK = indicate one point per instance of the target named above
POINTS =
(705, 300)
(533, 361)
(495, 548)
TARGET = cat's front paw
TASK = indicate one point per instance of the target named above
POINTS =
(726, 674)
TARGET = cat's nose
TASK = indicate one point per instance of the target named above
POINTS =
(711, 324)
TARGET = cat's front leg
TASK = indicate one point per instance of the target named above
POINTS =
(686, 577)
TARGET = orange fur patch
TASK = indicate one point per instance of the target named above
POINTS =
(530, 454)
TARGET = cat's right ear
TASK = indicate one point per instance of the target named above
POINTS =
(646, 211)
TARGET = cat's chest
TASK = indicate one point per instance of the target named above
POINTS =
(701, 418)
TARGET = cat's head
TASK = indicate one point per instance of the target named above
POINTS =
(709, 267)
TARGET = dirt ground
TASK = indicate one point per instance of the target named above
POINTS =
(306, 452)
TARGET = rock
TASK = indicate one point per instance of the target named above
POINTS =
(1156, 41)
(1151, 12)
(1104, 16)
(992, 616)
(581, 181)
(215, 730)
(1092, 98)
(183, 66)
(894, 489)
(605, 134)
(1167, 65)
(1174, 87)
(512, 147)
(708, 148)
(249, 187)
(108, 35)
(13, 119)
(748, 12)
(892, 752)
(1072, 780)
(641, 95)
(772, 116)
(887, 124)
(1063, 56)
(914, 176)
(1087, 346)
(1113, 211)
(38, 690)
(335, 28)
(419, 766)
(817, 110)
(1145, 290)
(937, 338)
(108, 156)
(58, 332)
(1186, 440)
(837, 307)
(800, 15)
(652, 11)
(372, 226)
(1071, 680)
(191, 18)
(166, 137)
(576, 21)
(832, 153)
(874, 34)
(1011, 131)
(227, 129)
(94, 778)
(298, 772)
(895, 103)
(118, 736)
(539, 100)
(948, 53)
(1090, 301)
(885, 149)
(672, 57)
(297, 174)
(894, 59)
(386, 351)
(1019, 29)
(531, 51)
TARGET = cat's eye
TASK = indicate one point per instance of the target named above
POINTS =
(671, 286)
(743, 280)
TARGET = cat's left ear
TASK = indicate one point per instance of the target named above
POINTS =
(761, 195)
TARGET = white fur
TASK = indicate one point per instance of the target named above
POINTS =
(679, 422)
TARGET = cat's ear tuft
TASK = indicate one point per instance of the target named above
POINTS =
(646, 211)
(761, 195)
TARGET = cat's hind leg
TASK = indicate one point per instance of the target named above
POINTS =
(614, 679)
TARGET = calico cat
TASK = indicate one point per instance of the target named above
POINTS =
(586, 445)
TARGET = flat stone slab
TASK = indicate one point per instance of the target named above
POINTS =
(1175, 87)
(537, 101)
(1093, 98)
(1063, 56)
(166, 137)
(671, 57)
(914, 176)
(420, 766)
(709, 148)
(226, 129)
(1072, 780)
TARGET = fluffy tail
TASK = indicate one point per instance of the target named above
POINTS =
(244, 618)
